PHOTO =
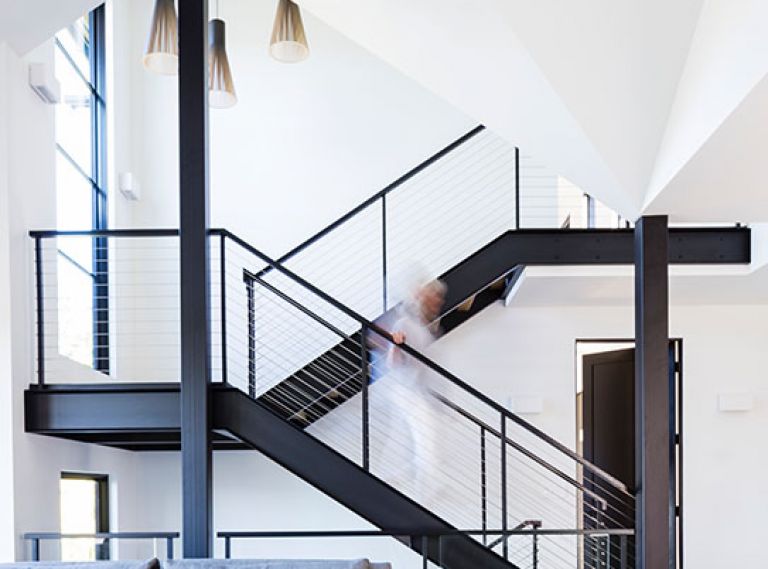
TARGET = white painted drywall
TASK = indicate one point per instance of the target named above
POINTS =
(303, 145)
(27, 182)
(531, 352)
(6, 333)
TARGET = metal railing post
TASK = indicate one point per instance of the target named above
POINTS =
(623, 555)
(169, 547)
(39, 306)
(223, 272)
(503, 438)
(535, 547)
(483, 486)
(227, 547)
(384, 291)
(424, 552)
(251, 335)
(35, 549)
(364, 389)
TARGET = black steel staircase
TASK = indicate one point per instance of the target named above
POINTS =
(298, 342)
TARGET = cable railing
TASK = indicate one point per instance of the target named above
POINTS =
(104, 297)
(436, 215)
(526, 553)
(107, 305)
(102, 540)
(449, 447)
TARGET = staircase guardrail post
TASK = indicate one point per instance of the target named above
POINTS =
(251, 334)
(535, 560)
(35, 549)
(227, 547)
(623, 555)
(483, 487)
(365, 402)
(169, 547)
(424, 552)
(503, 438)
(222, 284)
(40, 306)
(384, 290)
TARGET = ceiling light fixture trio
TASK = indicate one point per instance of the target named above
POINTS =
(288, 45)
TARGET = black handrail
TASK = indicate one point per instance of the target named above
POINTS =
(36, 537)
(49, 233)
(518, 447)
(380, 194)
(424, 360)
(535, 532)
(273, 264)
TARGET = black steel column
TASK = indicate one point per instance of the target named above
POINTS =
(195, 325)
(654, 436)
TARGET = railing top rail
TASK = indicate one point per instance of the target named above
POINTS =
(383, 192)
(51, 233)
(427, 362)
(420, 533)
(104, 535)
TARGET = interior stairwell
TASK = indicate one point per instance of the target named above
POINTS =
(298, 372)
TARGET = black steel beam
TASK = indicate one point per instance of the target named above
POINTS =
(197, 522)
(343, 480)
(654, 413)
(98, 409)
(704, 245)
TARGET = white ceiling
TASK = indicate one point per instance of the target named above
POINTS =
(649, 105)
(25, 24)
(622, 98)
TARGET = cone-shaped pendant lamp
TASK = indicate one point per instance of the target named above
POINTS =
(221, 88)
(162, 55)
(289, 42)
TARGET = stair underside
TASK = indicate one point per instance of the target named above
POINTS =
(146, 416)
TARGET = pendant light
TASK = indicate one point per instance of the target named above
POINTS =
(289, 42)
(221, 88)
(162, 54)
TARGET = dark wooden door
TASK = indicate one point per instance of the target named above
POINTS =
(609, 413)
(609, 443)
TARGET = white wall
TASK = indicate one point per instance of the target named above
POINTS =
(531, 352)
(27, 194)
(304, 144)
(251, 492)
(525, 352)
(6, 332)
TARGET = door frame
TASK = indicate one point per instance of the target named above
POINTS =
(676, 344)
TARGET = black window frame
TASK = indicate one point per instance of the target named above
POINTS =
(98, 181)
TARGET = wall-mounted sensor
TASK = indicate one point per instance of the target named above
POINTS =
(43, 82)
(735, 402)
(129, 186)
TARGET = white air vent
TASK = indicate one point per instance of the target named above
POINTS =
(44, 83)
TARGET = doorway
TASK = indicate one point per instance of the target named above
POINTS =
(605, 411)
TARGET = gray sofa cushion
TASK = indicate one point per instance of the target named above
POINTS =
(266, 564)
(149, 564)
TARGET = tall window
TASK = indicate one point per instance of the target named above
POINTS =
(81, 191)
(84, 509)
